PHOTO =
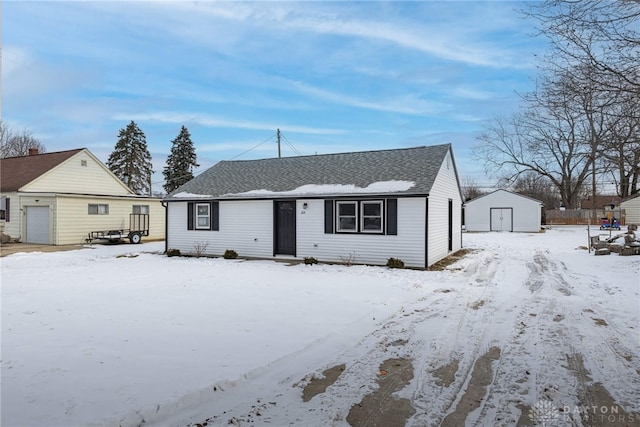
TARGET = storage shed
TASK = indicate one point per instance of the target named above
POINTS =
(361, 207)
(503, 210)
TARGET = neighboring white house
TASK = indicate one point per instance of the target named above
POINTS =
(631, 208)
(503, 210)
(58, 198)
(362, 207)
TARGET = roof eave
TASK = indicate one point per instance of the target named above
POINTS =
(297, 196)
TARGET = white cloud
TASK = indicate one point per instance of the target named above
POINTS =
(404, 104)
(213, 121)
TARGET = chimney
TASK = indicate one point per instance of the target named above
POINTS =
(33, 151)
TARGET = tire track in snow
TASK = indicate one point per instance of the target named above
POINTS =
(545, 338)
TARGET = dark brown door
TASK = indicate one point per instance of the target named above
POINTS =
(285, 227)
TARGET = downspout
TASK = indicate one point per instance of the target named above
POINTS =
(426, 234)
(462, 208)
(165, 205)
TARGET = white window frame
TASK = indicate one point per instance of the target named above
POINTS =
(98, 209)
(198, 216)
(364, 217)
(140, 209)
(354, 216)
(3, 208)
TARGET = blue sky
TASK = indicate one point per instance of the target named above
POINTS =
(333, 76)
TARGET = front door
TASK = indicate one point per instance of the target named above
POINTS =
(285, 227)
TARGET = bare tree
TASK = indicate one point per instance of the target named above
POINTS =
(537, 187)
(599, 33)
(595, 46)
(581, 120)
(621, 152)
(15, 144)
(471, 189)
(547, 142)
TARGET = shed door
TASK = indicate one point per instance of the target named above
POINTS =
(37, 224)
(501, 219)
(285, 227)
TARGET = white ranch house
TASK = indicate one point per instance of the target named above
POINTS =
(503, 210)
(366, 207)
(58, 198)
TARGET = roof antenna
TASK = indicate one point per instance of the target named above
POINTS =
(278, 134)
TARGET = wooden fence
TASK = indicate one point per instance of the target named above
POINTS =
(580, 216)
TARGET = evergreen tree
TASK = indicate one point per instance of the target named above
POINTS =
(131, 161)
(181, 161)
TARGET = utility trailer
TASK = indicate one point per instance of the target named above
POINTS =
(138, 227)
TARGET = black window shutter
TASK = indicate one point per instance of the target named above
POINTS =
(392, 217)
(190, 216)
(7, 214)
(215, 210)
(328, 216)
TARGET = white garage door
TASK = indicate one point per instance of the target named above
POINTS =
(501, 219)
(38, 224)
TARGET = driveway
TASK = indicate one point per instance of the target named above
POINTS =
(13, 248)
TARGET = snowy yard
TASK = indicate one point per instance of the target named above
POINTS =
(524, 329)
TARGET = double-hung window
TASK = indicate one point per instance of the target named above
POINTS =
(371, 218)
(98, 209)
(365, 216)
(140, 209)
(347, 217)
(203, 217)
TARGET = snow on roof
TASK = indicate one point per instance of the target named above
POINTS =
(187, 195)
(391, 186)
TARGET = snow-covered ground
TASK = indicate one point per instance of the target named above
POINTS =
(121, 335)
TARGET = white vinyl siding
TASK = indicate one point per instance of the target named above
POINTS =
(363, 248)
(445, 188)
(247, 228)
(244, 226)
(631, 210)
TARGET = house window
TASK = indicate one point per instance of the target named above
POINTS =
(372, 217)
(98, 209)
(140, 209)
(347, 217)
(4, 209)
(202, 216)
(361, 216)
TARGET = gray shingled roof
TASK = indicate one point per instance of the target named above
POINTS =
(419, 165)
